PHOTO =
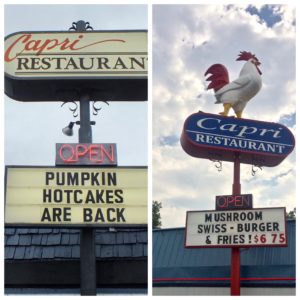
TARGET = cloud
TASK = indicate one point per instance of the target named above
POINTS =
(187, 39)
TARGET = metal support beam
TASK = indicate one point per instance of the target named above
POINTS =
(87, 262)
(85, 129)
(87, 235)
(235, 252)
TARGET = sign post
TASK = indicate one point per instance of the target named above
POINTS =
(66, 66)
(235, 252)
(239, 141)
(88, 283)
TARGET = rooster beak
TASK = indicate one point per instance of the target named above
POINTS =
(257, 63)
(259, 71)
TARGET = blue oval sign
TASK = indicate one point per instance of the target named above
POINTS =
(217, 137)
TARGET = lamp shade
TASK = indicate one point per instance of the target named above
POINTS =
(68, 130)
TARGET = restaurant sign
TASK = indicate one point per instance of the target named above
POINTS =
(48, 57)
(218, 137)
(258, 227)
(76, 54)
(46, 196)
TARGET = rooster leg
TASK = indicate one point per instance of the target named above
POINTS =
(227, 107)
(239, 114)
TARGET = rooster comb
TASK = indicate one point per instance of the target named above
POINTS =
(244, 55)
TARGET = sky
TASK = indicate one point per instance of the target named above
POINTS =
(33, 129)
(187, 39)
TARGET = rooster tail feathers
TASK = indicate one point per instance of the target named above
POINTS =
(219, 76)
(216, 85)
(216, 69)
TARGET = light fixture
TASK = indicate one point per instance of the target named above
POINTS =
(68, 130)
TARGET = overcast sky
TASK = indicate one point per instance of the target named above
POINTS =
(187, 39)
(32, 129)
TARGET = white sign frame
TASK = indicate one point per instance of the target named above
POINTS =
(93, 197)
(269, 231)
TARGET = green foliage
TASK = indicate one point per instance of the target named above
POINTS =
(156, 219)
(291, 214)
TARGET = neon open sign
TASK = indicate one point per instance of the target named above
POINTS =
(86, 154)
(231, 202)
(217, 137)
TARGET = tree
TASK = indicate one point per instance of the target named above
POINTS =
(156, 219)
(291, 214)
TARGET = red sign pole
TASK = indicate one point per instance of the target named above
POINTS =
(235, 252)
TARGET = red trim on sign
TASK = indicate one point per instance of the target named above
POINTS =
(225, 279)
(190, 279)
(270, 279)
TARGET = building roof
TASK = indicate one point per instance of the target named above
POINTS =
(63, 244)
(173, 264)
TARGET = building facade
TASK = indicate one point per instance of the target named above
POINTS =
(47, 261)
(206, 271)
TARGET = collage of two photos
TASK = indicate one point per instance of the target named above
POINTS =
(94, 205)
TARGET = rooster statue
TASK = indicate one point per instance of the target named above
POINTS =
(237, 93)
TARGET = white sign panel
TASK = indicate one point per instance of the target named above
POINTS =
(234, 228)
(91, 54)
(76, 196)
